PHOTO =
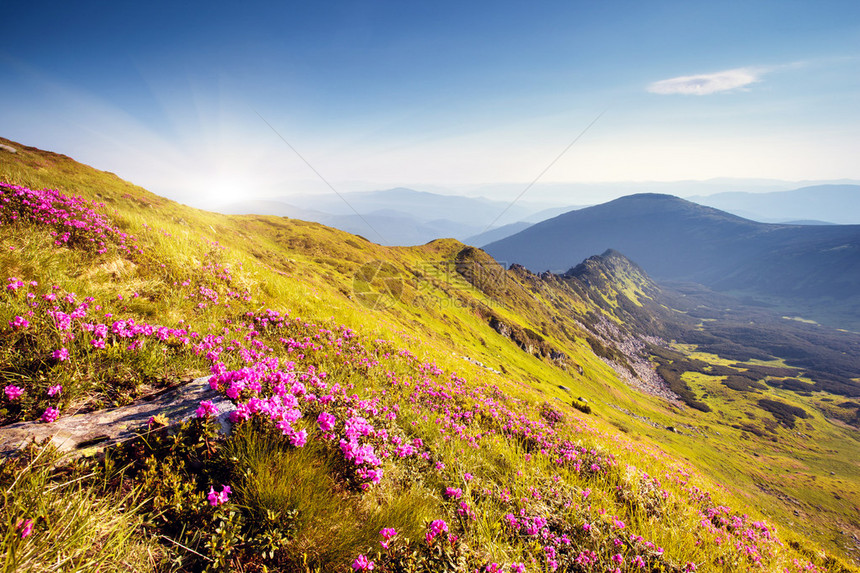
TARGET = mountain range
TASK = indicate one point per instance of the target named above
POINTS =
(406, 217)
(838, 204)
(399, 216)
(807, 269)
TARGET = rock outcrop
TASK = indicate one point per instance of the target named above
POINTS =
(88, 434)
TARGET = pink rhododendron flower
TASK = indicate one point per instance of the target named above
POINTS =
(436, 527)
(453, 492)
(206, 409)
(50, 415)
(387, 535)
(326, 421)
(216, 499)
(13, 392)
(465, 511)
(25, 527)
(299, 438)
(362, 563)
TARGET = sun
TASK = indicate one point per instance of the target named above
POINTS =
(223, 189)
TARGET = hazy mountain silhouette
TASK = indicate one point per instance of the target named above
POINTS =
(497, 234)
(832, 203)
(398, 216)
(424, 206)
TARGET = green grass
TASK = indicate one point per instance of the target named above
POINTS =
(76, 527)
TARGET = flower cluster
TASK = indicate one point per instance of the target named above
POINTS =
(75, 222)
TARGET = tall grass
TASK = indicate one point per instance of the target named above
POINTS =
(293, 490)
(55, 521)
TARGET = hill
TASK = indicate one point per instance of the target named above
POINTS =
(812, 271)
(423, 409)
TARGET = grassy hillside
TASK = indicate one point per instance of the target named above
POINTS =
(419, 408)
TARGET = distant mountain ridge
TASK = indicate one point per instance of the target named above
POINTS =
(675, 239)
(398, 216)
(838, 204)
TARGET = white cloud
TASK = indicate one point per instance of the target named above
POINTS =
(704, 84)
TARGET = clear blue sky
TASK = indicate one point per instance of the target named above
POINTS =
(434, 93)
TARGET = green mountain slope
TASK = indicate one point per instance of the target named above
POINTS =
(494, 419)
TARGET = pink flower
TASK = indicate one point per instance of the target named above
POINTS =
(19, 323)
(25, 527)
(326, 421)
(14, 284)
(436, 527)
(453, 492)
(299, 438)
(362, 563)
(467, 476)
(465, 511)
(54, 390)
(61, 354)
(387, 535)
(13, 392)
(50, 414)
(216, 499)
(206, 409)
(518, 568)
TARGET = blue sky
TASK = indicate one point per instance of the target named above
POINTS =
(176, 96)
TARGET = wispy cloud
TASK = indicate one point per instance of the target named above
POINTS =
(705, 84)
